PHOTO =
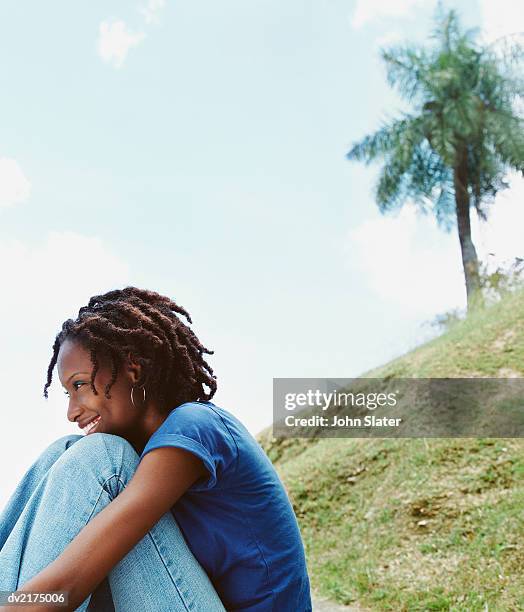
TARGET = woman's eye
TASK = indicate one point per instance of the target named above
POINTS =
(76, 386)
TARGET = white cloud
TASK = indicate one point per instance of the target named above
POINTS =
(501, 18)
(115, 40)
(67, 265)
(370, 10)
(43, 284)
(389, 38)
(407, 260)
(501, 235)
(14, 186)
(152, 10)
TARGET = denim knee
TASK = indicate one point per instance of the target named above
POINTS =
(104, 450)
(60, 445)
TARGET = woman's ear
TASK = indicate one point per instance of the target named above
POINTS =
(134, 369)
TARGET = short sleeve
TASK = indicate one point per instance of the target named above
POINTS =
(199, 429)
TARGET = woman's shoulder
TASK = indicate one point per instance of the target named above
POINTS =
(206, 414)
(198, 428)
(199, 414)
(212, 424)
(209, 423)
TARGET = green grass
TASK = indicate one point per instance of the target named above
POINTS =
(418, 524)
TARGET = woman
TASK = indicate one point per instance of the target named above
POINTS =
(167, 503)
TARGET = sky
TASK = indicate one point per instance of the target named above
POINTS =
(198, 149)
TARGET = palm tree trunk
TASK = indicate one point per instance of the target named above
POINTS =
(470, 261)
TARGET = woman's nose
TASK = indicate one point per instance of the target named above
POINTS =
(73, 411)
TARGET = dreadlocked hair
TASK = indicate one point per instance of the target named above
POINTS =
(145, 324)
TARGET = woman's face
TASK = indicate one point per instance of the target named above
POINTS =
(116, 415)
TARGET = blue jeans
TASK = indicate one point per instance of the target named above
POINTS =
(72, 480)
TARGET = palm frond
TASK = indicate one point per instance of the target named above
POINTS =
(505, 132)
(407, 70)
(391, 187)
(396, 138)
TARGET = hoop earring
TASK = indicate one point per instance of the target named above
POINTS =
(133, 401)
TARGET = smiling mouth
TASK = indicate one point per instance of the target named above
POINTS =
(90, 427)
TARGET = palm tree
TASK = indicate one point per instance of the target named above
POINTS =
(465, 133)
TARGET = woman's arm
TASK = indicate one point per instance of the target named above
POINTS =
(161, 477)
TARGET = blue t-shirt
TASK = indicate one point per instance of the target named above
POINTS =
(238, 522)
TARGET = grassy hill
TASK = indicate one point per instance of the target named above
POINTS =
(419, 524)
